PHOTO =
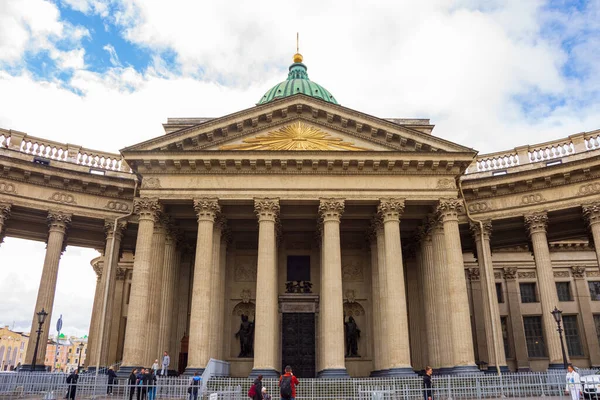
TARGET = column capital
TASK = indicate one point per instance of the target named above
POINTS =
(147, 208)
(578, 272)
(510, 273)
(59, 221)
(476, 230)
(331, 209)
(109, 226)
(536, 222)
(207, 208)
(450, 208)
(474, 274)
(266, 209)
(591, 213)
(423, 234)
(221, 222)
(390, 209)
(4, 212)
(121, 273)
(162, 223)
(97, 267)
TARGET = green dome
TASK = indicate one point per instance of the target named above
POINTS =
(297, 82)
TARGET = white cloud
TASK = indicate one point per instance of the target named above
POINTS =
(69, 59)
(112, 53)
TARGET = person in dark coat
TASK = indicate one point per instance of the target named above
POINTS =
(139, 383)
(112, 375)
(258, 388)
(427, 386)
(145, 383)
(151, 385)
(132, 381)
(72, 382)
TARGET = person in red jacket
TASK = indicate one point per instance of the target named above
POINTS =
(287, 384)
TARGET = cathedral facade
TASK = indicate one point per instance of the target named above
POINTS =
(300, 232)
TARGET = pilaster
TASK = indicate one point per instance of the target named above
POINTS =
(537, 224)
(375, 297)
(591, 213)
(516, 319)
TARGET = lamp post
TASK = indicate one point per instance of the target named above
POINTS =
(80, 352)
(557, 314)
(41, 318)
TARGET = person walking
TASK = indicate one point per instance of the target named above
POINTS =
(111, 380)
(72, 382)
(132, 383)
(287, 384)
(257, 387)
(151, 385)
(427, 386)
(194, 385)
(573, 383)
(166, 361)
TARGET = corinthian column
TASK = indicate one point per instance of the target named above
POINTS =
(383, 290)
(591, 213)
(153, 301)
(332, 302)
(58, 223)
(375, 300)
(4, 215)
(428, 280)
(225, 238)
(536, 225)
(491, 312)
(396, 335)
(168, 291)
(94, 334)
(462, 338)
(217, 275)
(266, 320)
(198, 352)
(110, 274)
(134, 349)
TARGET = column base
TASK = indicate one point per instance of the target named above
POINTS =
(556, 366)
(493, 370)
(443, 371)
(402, 371)
(265, 372)
(189, 371)
(125, 370)
(334, 373)
(38, 368)
(378, 373)
(465, 370)
(523, 369)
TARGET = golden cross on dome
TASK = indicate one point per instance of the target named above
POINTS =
(297, 56)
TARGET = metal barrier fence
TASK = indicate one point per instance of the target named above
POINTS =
(512, 385)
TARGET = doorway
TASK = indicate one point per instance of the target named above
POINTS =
(298, 344)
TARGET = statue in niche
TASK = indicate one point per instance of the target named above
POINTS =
(246, 336)
(352, 335)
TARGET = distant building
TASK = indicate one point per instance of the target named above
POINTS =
(13, 346)
(65, 355)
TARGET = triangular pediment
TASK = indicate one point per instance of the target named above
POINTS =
(300, 123)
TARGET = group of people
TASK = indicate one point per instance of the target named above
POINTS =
(287, 387)
(142, 382)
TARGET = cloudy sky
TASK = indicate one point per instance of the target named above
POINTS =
(105, 74)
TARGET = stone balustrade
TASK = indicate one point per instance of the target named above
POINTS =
(52, 150)
(541, 152)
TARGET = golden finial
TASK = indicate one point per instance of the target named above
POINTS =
(297, 56)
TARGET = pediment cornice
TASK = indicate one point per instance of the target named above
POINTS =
(256, 119)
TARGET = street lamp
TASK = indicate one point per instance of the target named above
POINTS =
(557, 314)
(41, 318)
(80, 353)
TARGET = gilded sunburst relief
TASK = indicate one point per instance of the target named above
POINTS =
(295, 137)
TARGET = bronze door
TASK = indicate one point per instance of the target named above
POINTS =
(298, 343)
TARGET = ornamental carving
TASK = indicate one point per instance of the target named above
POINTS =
(117, 206)
(476, 229)
(353, 310)
(532, 199)
(267, 209)
(450, 208)
(206, 209)
(352, 271)
(591, 213)
(121, 273)
(245, 296)
(247, 309)
(151, 183)
(109, 228)
(145, 207)
(578, 272)
(390, 209)
(537, 222)
(331, 208)
(593, 274)
(446, 183)
(4, 212)
(351, 296)
(61, 197)
(526, 275)
(7, 187)
(59, 220)
(498, 275)
(97, 267)
(295, 137)
(589, 188)
(474, 274)
(245, 269)
(510, 273)
(562, 274)
(479, 207)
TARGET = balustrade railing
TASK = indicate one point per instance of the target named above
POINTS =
(51, 150)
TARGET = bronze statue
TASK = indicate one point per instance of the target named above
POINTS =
(352, 336)
(246, 335)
